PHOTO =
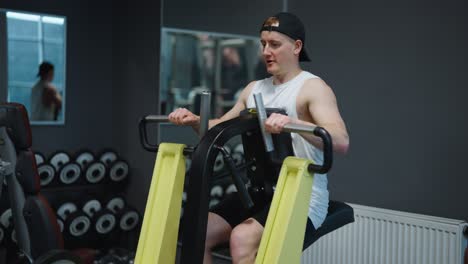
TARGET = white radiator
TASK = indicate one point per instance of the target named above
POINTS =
(380, 236)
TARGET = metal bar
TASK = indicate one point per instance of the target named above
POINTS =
(205, 107)
(262, 116)
(298, 128)
(157, 118)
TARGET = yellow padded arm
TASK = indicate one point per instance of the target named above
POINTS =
(283, 235)
(158, 237)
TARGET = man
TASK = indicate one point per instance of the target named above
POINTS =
(46, 102)
(308, 100)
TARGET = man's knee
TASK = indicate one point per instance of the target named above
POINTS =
(245, 239)
(218, 231)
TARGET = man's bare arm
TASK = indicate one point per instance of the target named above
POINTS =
(316, 105)
(183, 116)
(323, 108)
(237, 108)
(51, 96)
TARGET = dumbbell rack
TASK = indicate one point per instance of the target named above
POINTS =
(78, 194)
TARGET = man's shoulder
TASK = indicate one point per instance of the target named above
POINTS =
(250, 86)
(247, 91)
(314, 89)
(315, 83)
(50, 88)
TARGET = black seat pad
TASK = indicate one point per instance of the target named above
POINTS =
(339, 214)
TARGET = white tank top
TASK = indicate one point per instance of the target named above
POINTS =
(38, 111)
(285, 96)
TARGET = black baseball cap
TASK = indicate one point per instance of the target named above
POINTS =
(291, 26)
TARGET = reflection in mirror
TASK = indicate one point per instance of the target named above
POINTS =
(195, 61)
(36, 64)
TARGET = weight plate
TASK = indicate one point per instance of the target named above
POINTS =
(219, 163)
(65, 210)
(129, 220)
(213, 202)
(70, 173)
(216, 191)
(237, 157)
(59, 159)
(91, 207)
(95, 172)
(60, 224)
(105, 223)
(39, 158)
(84, 158)
(6, 218)
(230, 189)
(108, 157)
(46, 173)
(239, 148)
(79, 226)
(115, 204)
(118, 171)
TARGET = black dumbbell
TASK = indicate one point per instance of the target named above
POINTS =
(95, 172)
(102, 219)
(118, 171)
(76, 222)
(46, 174)
(70, 173)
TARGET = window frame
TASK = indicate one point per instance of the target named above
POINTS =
(41, 43)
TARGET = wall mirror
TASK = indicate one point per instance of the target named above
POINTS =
(194, 61)
(33, 48)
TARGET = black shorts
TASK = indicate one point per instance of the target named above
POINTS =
(232, 210)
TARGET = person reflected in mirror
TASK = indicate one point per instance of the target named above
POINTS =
(233, 79)
(46, 101)
(233, 75)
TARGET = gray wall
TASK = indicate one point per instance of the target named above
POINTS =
(235, 17)
(397, 71)
(136, 42)
(89, 93)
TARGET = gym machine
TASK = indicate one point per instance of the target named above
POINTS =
(288, 211)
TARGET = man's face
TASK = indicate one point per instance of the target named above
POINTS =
(279, 51)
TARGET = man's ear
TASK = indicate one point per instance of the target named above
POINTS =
(298, 46)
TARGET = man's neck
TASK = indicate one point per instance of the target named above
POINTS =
(287, 76)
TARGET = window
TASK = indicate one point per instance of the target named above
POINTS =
(32, 39)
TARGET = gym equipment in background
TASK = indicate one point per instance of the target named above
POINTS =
(37, 232)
